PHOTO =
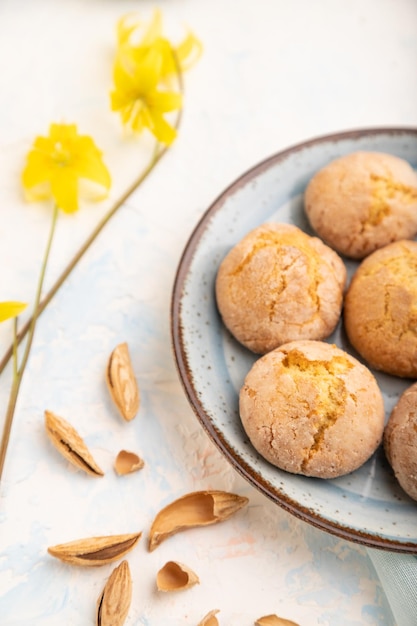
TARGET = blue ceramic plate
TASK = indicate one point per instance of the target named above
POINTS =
(366, 506)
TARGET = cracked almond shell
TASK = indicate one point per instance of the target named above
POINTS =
(69, 443)
(174, 576)
(121, 382)
(127, 462)
(95, 551)
(210, 619)
(199, 508)
(274, 620)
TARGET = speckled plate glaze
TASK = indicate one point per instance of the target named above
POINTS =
(366, 506)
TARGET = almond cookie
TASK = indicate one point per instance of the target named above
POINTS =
(380, 313)
(279, 284)
(310, 408)
(362, 202)
(400, 441)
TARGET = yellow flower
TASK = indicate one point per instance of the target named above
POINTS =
(11, 309)
(185, 54)
(58, 163)
(137, 97)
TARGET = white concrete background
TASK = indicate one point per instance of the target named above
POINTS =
(273, 73)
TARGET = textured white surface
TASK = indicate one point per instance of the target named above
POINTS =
(273, 73)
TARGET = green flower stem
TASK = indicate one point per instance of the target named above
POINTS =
(156, 156)
(19, 371)
(40, 305)
(92, 237)
(15, 348)
(29, 327)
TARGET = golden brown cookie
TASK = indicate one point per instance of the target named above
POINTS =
(380, 312)
(310, 408)
(279, 284)
(362, 202)
(400, 441)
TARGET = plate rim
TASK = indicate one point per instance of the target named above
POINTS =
(371, 540)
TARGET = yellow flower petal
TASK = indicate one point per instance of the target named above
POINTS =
(11, 309)
(127, 25)
(169, 65)
(38, 192)
(189, 51)
(119, 100)
(164, 101)
(140, 71)
(62, 132)
(130, 56)
(64, 190)
(148, 73)
(154, 29)
(133, 83)
(164, 132)
(140, 118)
(124, 30)
(36, 171)
(89, 164)
(133, 56)
(128, 113)
(57, 162)
(122, 77)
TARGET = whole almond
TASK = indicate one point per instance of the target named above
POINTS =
(114, 601)
(121, 382)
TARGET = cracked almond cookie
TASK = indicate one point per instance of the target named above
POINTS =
(380, 313)
(310, 408)
(400, 441)
(362, 202)
(278, 284)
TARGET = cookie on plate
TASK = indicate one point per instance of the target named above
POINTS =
(279, 284)
(380, 311)
(400, 441)
(363, 201)
(310, 408)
